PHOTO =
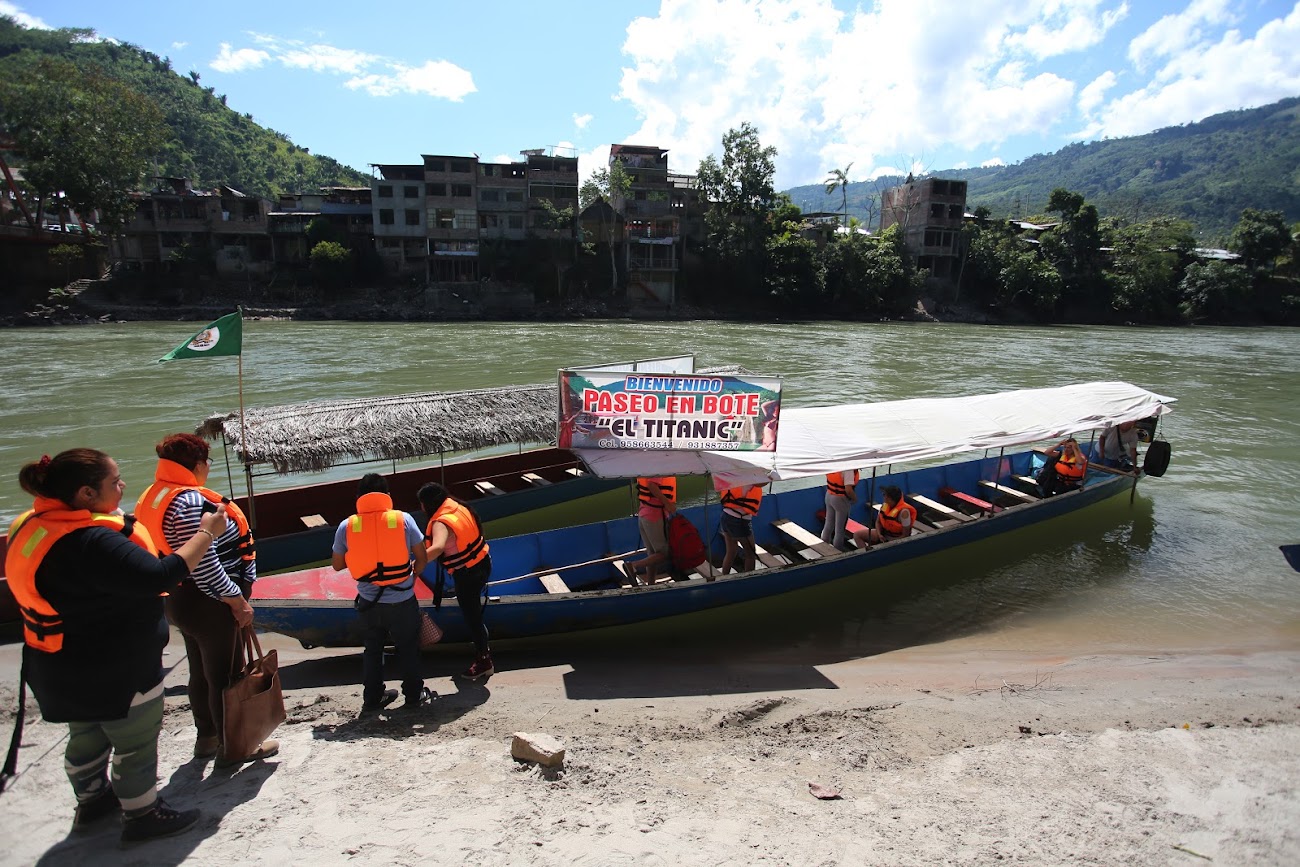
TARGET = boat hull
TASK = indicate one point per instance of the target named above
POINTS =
(315, 606)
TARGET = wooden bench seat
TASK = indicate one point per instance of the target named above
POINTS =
(312, 521)
(1014, 494)
(1028, 482)
(813, 547)
(939, 508)
(534, 480)
(918, 526)
(554, 583)
(768, 559)
(487, 488)
(961, 498)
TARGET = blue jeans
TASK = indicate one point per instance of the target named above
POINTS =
(401, 622)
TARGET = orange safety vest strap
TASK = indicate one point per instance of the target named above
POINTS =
(377, 551)
(471, 547)
(743, 502)
(667, 487)
(889, 522)
(31, 537)
(835, 482)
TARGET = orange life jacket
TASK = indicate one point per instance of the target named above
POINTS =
(470, 546)
(377, 551)
(1072, 469)
(836, 484)
(31, 536)
(170, 480)
(667, 487)
(742, 502)
(889, 522)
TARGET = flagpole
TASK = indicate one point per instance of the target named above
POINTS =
(243, 438)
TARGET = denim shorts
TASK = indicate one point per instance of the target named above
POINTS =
(737, 528)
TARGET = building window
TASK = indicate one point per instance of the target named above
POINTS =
(489, 195)
(385, 216)
(411, 192)
(460, 166)
(936, 211)
(412, 217)
(489, 170)
(954, 212)
(487, 221)
(445, 218)
(514, 195)
(515, 221)
(385, 191)
(462, 190)
(435, 165)
(437, 189)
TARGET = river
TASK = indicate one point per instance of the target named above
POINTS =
(1193, 562)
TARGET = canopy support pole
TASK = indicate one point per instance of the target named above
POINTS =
(243, 438)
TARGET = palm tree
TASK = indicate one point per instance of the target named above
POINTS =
(839, 179)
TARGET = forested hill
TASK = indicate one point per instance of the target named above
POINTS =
(210, 143)
(1205, 172)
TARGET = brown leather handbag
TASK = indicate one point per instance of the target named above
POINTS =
(254, 702)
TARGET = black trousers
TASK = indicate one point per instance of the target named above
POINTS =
(469, 595)
(399, 621)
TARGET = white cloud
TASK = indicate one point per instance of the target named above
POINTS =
(992, 162)
(14, 11)
(503, 158)
(1173, 34)
(826, 87)
(238, 60)
(581, 120)
(1209, 77)
(179, 45)
(1093, 94)
(327, 58)
(437, 78)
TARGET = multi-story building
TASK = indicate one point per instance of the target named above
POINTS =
(929, 214)
(398, 214)
(652, 211)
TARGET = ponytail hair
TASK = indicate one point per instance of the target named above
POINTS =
(61, 476)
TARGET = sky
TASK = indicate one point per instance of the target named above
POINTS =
(880, 87)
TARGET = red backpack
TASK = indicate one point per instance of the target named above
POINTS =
(685, 544)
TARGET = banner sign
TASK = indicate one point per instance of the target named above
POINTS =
(621, 410)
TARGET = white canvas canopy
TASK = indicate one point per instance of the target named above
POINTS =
(814, 441)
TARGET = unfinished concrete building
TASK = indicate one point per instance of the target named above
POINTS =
(929, 214)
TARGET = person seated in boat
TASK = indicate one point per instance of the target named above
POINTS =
(657, 496)
(1066, 466)
(840, 496)
(383, 549)
(210, 607)
(895, 519)
(1118, 447)
(739, 506)
(454, 537)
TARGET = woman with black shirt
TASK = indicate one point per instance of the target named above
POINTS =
(88, 582)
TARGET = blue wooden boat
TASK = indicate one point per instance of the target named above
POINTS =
(315, 605)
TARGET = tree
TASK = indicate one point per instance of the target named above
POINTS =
(1074, 247)
(1260, 237)
(739, 219)
(329, 263)
(82, 134)
(609, 185)
(1148, 259)
(1214, 290)
(839, 179)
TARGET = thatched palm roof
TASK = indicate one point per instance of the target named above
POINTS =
(303, 437)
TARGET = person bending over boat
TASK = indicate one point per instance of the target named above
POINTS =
(657, 499)
(210, 607)
(89, 584)
(1119, 446)
(1066, 466)
(739, 506)
(839, 498)
(383, 549)
(454, 538)
(895, 519)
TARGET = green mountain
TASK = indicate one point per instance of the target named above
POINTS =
(1205, 172)
(210, 142)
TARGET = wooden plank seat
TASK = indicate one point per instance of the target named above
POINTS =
(948, 514)
(918, 525)
(1012, 493)
(312, 521)
(553, 583)
(487, 488)
(964, 500)
(813, 548)
(534, 480)
(769, 559)
(1028, 482)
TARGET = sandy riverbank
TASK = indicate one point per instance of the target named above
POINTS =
(946, 753)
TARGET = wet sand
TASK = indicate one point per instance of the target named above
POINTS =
(961, 751)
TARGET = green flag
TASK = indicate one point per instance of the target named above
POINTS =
(223, 337)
